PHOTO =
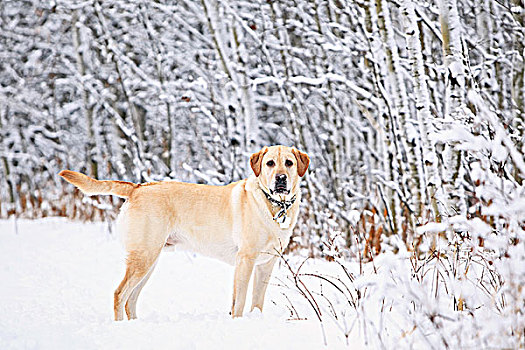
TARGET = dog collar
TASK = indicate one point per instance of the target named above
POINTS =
(281, 217)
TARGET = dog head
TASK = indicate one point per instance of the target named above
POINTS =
(279, 168)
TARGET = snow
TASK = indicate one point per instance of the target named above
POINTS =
(58, 279)
(431, 227)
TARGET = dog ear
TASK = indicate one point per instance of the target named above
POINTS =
(302, 161)
(256, 160)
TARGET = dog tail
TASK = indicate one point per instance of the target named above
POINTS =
(91, 186)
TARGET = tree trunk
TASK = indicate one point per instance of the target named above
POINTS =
(93, 149)
(455, 109)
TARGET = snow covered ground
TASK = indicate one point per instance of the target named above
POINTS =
(58, 277)
(56, 292)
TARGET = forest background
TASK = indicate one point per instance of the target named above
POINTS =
(412, 112)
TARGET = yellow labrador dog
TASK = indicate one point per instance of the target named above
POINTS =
(244, 223)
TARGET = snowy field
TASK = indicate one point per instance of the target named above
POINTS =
(58, 279)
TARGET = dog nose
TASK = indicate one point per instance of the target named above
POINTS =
(280, 178)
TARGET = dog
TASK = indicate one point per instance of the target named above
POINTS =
(246, 223)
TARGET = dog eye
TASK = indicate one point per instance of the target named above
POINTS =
(270, 163)
(288, 163)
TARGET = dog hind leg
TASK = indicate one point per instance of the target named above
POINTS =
(131, 304)
(138, 264)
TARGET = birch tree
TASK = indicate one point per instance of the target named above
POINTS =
(455, 111)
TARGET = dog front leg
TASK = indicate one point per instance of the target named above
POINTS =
(243, 270)
(261, 278)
